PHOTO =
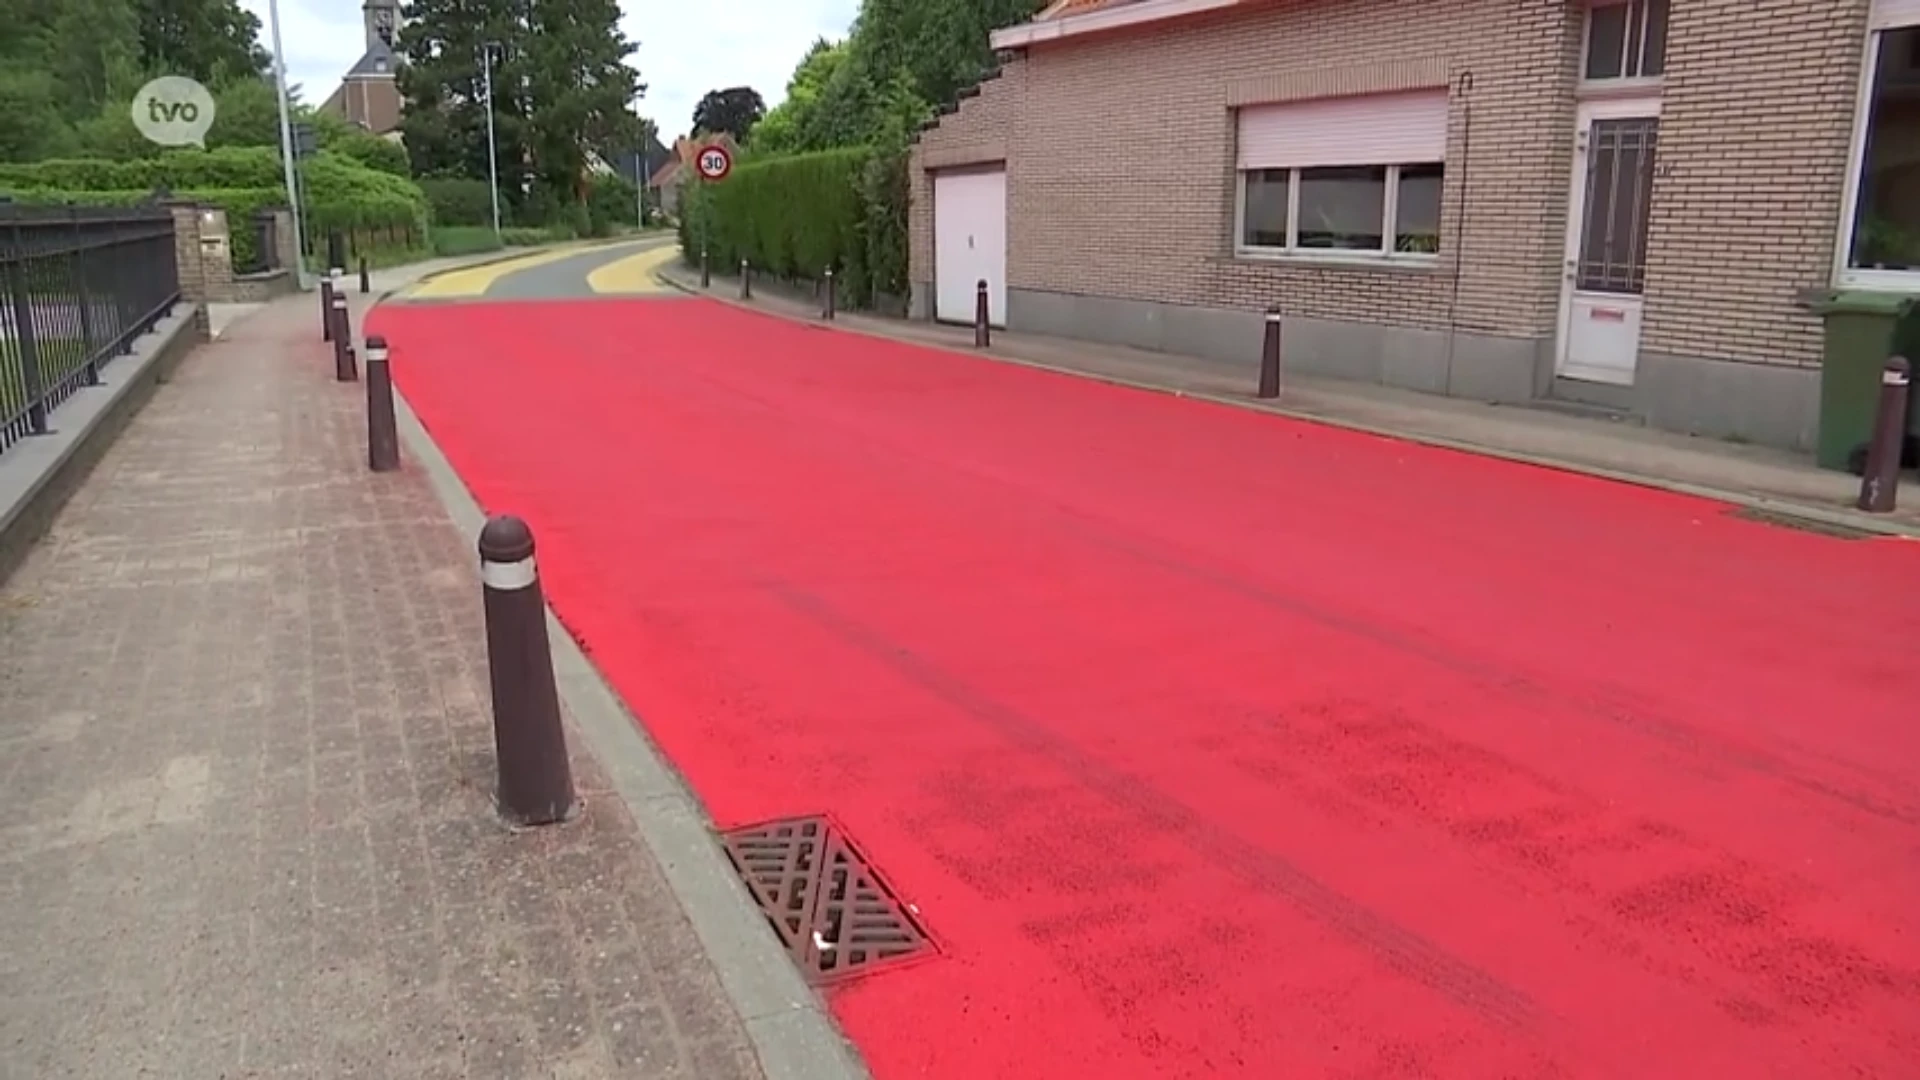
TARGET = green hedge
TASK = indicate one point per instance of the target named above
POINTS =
(459, 201)
(378, 211)
(796, 216)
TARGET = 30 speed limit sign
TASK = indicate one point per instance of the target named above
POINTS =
(714, 162)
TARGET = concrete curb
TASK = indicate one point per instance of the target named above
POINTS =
(787, 1023)
(1844, 519)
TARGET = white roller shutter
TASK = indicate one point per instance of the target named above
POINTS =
(1375, 129)
(1888, 14)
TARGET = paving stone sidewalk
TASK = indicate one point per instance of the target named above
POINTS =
(245, 764)
(1538, 435)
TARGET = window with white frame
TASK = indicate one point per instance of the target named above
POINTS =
(1883, 240)
(1626, 39)
(1354, 177)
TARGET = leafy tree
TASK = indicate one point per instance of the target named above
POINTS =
(214, 41)
(31, 127)
(734, 110)
(785, 128)
(580, 93)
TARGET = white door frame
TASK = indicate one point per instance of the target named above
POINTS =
(1612, 107)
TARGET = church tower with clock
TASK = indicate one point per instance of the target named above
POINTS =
(369, 95)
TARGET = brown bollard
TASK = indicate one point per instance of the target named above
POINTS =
(536, 783)
(1270, 357)
(706, 270)
(383, 435)
(343, 365)
(366, 281)
(827, 301)
(982, 317)
(746, 280)
(326, 308)
(1880, 485)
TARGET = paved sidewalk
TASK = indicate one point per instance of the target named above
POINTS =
(1710, 467)
(245, 772)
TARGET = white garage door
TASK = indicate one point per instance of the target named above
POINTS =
(970, 243)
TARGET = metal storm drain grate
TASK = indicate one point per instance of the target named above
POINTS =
(832, 912)
(1803, 524)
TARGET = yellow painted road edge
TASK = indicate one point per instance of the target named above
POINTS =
(476, 280)
(634, 274)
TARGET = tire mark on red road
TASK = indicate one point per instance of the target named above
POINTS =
(1399, 949)
(1699, 906)
(1604, 702)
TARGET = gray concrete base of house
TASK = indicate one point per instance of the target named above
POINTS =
(1755, 403)
(40, 472)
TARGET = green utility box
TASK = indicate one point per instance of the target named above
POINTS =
(1863, 329)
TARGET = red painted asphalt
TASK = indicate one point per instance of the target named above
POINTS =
(1210, 743)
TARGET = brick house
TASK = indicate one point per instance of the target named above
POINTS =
(1456, 196)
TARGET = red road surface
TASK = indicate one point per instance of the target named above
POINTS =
(1214, 744)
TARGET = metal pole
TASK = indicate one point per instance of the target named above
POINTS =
(383, 436)
(493, 151)
(982, 317)
(286, 140)
(1879, 486)
(530, 748)
(827, 302)
(746, 280)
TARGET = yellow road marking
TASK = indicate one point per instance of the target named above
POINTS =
(476, 280)
(633, 274)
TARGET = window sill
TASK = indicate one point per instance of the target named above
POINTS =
(1392, 264)
(1609, 89)
(1906, 282)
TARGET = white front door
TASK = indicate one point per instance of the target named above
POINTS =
(970, 243)
(1606, 258)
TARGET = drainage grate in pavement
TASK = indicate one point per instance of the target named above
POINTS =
(832, 912)
(1804, 524)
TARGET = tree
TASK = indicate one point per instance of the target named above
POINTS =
(444, 122)
(214, 41)
(581, 93)
(734, 110)
(788, 127)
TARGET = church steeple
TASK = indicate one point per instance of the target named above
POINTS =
(382, 19)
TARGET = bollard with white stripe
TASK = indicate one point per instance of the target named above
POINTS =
(1880, 484)
(982, 317)
(746, 280)
(344, 368)
(1270, 356)
(827, 303)
(326, 308)
(383, 435)
(536, 783)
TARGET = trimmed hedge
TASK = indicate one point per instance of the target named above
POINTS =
(792, 217)
(458, 200)
(378, 211)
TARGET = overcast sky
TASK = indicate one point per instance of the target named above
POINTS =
(686, 47)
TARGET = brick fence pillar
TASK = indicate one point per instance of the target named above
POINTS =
(189, 261)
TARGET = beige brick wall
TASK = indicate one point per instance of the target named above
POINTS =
(1120, 152)
(1756, 119)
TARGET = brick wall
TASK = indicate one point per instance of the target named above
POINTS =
(1120, 162)
(1756, 119)
(1121, 151)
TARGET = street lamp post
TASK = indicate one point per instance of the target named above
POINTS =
(286, 143)
(493, 151)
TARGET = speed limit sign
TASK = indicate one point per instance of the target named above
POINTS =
(714, 162)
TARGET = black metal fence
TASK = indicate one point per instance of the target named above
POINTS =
(77, 286)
